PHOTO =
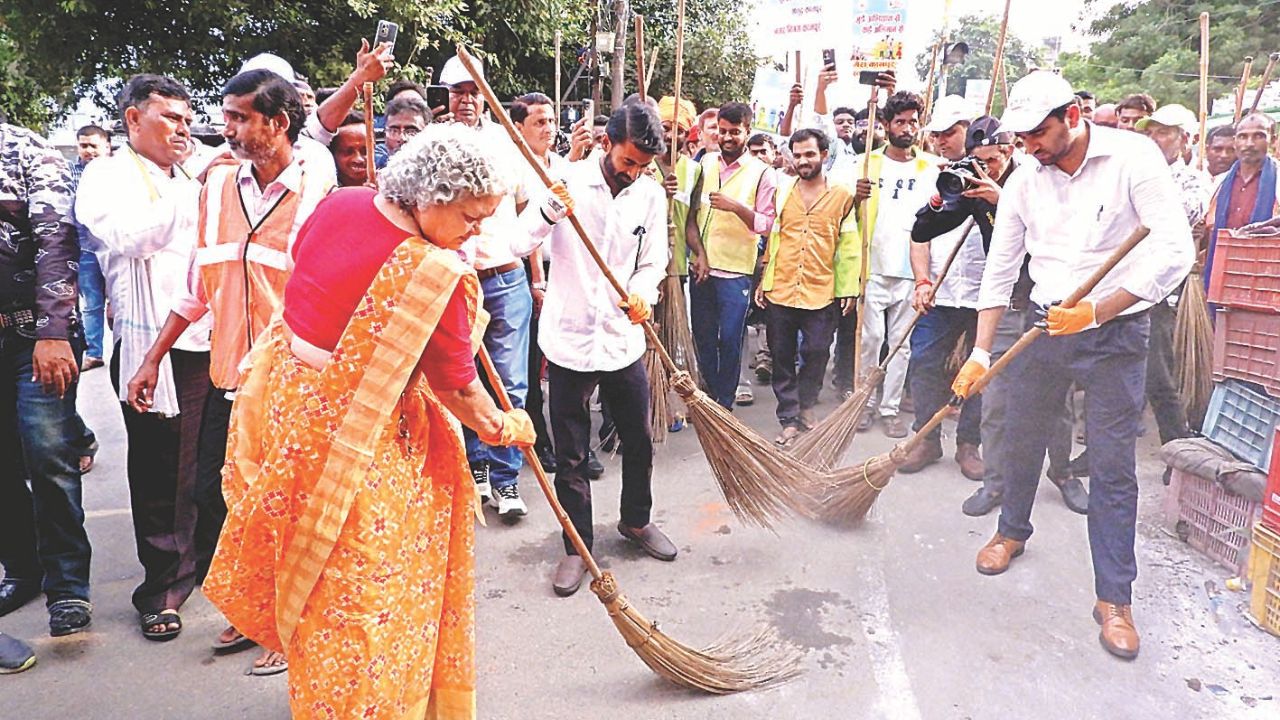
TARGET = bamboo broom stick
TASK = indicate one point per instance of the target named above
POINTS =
(1266, 78)
(1204, 86)
(995, 67)
(1244, 76)
(371, 172)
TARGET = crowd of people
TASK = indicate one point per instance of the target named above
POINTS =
(294, 344)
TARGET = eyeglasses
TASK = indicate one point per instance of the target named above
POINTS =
(407, 131)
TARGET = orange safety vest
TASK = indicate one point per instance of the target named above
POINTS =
(243, 268)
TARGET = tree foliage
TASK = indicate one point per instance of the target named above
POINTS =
(1154, 47)
(982, 34)
(55, 51)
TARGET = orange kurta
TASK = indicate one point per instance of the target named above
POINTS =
(349, 541)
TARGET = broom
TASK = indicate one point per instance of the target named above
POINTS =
(659, 389)
(371, 172)
(1193, 347)
(858, 487)
(760, 484)
(731, 665)
(824, 445)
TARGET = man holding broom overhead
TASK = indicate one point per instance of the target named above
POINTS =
(588, 340)
(1090, 188)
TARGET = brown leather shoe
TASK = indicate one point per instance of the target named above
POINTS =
(970, 461)
(995, 556)
(568, 575)
(921, 457)
(1118, 636)
(651, 540)
(894, 426)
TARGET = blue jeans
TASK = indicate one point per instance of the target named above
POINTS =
(718, 314)
(932, 342)
(1110, 364)
(42, 526)
(93, 289)
(510, 308)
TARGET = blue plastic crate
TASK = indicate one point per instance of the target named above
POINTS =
(1243, 421)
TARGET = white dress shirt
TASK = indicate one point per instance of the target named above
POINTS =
(494, 246)
(115, 204)
(581, 327)
(1070, 225)
(960, 288)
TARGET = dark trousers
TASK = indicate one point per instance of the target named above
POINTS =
(1110, 364)
(846, 329)
(211, 455)
(626, 391)
(932, 342)
(162, 479)
(718, 316)
(533, 400)
(1171, 415)
(800, 341)
(41, 526)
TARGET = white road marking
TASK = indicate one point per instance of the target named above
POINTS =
(896, 700)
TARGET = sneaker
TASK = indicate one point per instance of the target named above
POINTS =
(480, 474)
(677, 425)
(595, 470)
(744, 396)
(510, 507)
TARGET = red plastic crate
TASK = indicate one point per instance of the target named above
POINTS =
(1271, 496)
(1246, 346)
(1210, 519)
(1245, 273)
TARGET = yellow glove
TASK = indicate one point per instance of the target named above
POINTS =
(1069, 321)
(637, 309)
(517, 430)
(973, 369)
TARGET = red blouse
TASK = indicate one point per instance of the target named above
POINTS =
(337, 255)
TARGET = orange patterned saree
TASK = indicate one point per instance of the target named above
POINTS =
(349, 541)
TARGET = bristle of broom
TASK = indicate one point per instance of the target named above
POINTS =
(1193, 348)
(760, 482)
(659, 388)
(751, 662)
(828, 441)
(854, 489)
(673, 327)
(960, 353)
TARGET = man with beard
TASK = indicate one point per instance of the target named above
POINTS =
(902, 180)
(1220, 150)
(1088, 190)
(812, 274)
(1249, 192)
(590, 339)
(731, 207)
(250, 214)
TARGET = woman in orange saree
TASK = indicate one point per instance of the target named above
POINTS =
(349, 539)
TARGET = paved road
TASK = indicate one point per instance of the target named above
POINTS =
(892, 618)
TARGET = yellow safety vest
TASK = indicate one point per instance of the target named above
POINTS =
(687, 172)
(731, 245)
(848, 260)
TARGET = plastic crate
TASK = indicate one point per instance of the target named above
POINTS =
(1210, 519)
(1264, 575)
(1242, 421)
(1246, 346)
(1271, 495)
(1245, 273)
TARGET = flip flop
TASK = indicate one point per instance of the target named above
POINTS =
(268, 670)
(232, 646)
(88, 458)
(167, 618)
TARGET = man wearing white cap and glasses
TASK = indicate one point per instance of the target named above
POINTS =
(497, 254)
(1089, 189)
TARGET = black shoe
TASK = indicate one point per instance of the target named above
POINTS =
(609, 443)
(547, 457)
(70, 616)
(16, 592)
(1074, 495)
(595, 470)
(480, 474)
(981, 502)
(15, 655)
(1079, 466)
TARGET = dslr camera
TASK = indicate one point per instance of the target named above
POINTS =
(956, 178)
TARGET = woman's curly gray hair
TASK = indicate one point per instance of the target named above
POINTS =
(443, 163)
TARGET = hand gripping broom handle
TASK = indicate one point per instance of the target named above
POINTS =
(495, 381)
(1137, 236)
(469, 63)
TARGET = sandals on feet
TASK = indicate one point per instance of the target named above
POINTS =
(788, 436)
(267, 670)
(67, 617)
(163, 619)
(226, 647)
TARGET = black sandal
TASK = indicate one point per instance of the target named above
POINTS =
(67, 617)
(165, 619)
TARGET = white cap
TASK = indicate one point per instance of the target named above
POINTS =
(274, 63)
(947, 112)
(1032, 98)
(1172, 116)
(454, 72)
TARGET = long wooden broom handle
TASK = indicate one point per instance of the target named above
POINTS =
(371, 172)
(864, 227)
(1266, 78)
(998, 63)
(470, 64)
(1242, 88)
(1030, 336)
(1204, 88)
(942, 276)
(504, 401)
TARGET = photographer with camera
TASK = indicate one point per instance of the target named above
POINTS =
(970, 188)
